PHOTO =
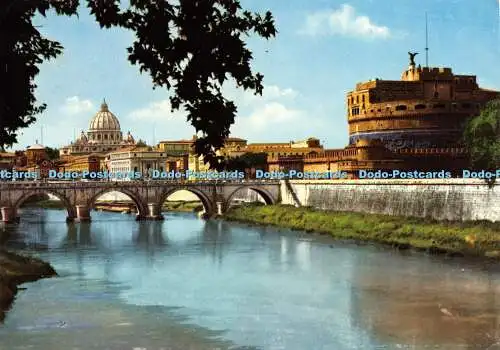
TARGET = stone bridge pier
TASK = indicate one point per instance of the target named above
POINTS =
(79, 197)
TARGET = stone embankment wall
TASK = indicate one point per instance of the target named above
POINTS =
(450, 199)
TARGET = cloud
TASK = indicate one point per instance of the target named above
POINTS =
(156, 111)
(276, 115)
(167, 125)
(73, 105)
(273, 115)
(244, 98)
(270, 117)
(160, 111)
(343, 21)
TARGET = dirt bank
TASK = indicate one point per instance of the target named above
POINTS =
(16, 269)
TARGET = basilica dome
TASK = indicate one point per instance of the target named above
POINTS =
(104, 136)
(104, 120)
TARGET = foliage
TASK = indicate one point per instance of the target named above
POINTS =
(482, 137)
(190, 46)
(246, 161)
(52, 153)
(141, 143)
(22, 50)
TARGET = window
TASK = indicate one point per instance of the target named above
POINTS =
(439, 105)
(401, 108)
(420, 106)
(465, 105)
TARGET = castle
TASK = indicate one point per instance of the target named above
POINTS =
(413, 123)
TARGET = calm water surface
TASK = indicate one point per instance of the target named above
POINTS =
(188, 284)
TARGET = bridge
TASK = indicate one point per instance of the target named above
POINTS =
(79, 197)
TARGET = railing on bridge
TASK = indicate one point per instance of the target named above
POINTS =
(79, 183)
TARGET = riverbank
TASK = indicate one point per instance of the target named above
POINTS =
(118, 207)
(458, 239)
(47, 204)
(183, 206)
(177, 206)
(17, 269)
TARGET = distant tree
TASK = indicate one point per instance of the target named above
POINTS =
(190, 46)
(254, 160)
(482, 137)
(53, 153)
(141, 143)
(246, 161)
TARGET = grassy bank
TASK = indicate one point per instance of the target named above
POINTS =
(17, 269)
(49, 204)
(470, 238)
(184, 206)
(179, 206)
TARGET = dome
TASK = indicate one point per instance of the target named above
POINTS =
(36, 146)
(104, 120)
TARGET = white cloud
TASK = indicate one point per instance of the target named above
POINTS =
(167, 125)
(156, 111)
(268, 118)
(245, 98)
(73, 105)
(160, 111)
(273, 115)
(343, 21)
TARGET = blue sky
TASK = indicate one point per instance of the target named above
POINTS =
(323, 48)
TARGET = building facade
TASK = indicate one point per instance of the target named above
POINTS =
(141, 160)
(427, 108)
(104, 135)
(7, 161)
(415, 123)
(286, 149)
(176, 147)
(92, 163)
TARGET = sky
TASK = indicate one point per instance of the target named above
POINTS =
(322, 49)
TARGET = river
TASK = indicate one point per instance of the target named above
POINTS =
(190, 284)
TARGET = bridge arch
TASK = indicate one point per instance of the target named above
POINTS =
(70, 209)
(264, 193)
(208, 206)
(142, 207)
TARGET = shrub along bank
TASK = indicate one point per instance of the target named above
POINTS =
(469, 238)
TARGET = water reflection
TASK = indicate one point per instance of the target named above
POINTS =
(215, 240)
(254, 285)
(149, 235)
(427, 305)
